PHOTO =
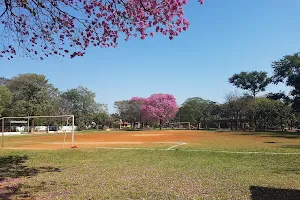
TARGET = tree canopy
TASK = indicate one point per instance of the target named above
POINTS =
(195, 110)
(5, 98)
(253, 81)
(39, 28)
(32, 94)
(128, 110)
(159, 107)
(235, 108)
(81, 103)
(269, 113)
(3, 81)
(287, 70)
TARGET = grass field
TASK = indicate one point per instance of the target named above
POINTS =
(152, 165)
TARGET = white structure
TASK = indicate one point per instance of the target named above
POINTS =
(181, 125)
(40, 128)
(60, 129)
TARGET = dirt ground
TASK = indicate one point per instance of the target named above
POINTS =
(182, 139)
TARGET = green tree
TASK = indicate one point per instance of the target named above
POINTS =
(32, 95)
(272, 114)
(101, 119)
(128, 111)
(196, 110)
(264, 113)
(235, 110)
(4, 81)
(214, 117)
(81, 103)
(254, 81)
(287, 70)
(5, 98)
(284, 114)
(114, 120)
(100, 115)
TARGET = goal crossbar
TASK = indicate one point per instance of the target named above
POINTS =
(31, 117)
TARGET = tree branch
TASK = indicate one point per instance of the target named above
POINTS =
(144, 7)
(6, 8)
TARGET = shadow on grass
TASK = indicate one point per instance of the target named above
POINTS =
(271, 142)
(291, 146)
(279, 134)
(266, 193)
(12, 169)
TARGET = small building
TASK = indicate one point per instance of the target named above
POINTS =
(124, 124)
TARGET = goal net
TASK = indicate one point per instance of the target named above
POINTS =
(38, 125)
(180, 125)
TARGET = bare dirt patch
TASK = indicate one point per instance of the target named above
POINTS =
(164, 139)
(149, 135)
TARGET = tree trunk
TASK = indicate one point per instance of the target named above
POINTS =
(250, 122)
(32, 125)
(47, 128)
(160, 124)
(241, 125)
(292, 125)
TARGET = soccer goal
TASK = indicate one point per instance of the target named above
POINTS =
(38, 125)
(180, 125)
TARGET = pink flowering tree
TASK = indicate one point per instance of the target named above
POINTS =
(159, 107)
(41, 28)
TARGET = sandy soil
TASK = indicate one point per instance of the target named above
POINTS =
(166, 139)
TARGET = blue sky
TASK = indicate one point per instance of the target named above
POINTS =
(225, 37)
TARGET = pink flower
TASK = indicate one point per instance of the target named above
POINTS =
(99, 24)
(159, 107)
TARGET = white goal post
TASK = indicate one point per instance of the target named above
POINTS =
(33, 117)
(180, 125)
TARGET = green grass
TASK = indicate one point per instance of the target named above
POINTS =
(141, 174)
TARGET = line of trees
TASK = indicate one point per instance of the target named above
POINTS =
(158, 108)
(32, 94)
(239, 112)
(275, 111)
